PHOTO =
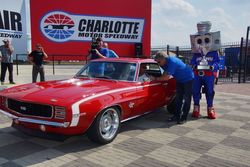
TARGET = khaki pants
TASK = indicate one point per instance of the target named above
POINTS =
(38, 69)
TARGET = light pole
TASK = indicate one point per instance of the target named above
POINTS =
(240, 61)
(245, 57)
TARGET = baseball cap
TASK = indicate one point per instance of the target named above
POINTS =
(6, 40)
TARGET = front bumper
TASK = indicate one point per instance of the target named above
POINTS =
(41, 134)
(35, 121)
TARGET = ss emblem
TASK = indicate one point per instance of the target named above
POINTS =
(23, 108)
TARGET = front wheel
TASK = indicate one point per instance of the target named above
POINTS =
(105, 127)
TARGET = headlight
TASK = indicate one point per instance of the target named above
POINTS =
(60, 112)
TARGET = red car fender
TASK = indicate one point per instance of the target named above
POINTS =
(89, 109)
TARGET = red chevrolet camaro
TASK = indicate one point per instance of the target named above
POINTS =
(104, 93)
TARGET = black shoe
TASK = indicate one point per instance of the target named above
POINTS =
(184, 118)
(12, 82)
(173, 118)
(181, 122)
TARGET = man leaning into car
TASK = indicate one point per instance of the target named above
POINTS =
(174, 67)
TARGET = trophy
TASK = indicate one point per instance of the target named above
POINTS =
(203, 65)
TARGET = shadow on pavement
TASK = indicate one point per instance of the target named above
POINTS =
(79, 146)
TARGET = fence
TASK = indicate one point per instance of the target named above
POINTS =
(237, 59)
(52, 60)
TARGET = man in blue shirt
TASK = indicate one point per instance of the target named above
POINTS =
(112, 53)
(184, 76)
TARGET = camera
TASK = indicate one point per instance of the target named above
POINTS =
(94, 45)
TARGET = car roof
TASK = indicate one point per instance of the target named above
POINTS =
(127, 60)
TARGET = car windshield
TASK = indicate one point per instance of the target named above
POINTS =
(109, 70)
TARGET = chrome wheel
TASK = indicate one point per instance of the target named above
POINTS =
(109, 124)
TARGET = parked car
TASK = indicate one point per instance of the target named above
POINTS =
(104, 93)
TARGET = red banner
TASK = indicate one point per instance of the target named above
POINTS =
(65, 28)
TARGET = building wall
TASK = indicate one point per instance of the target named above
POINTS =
(14, 25)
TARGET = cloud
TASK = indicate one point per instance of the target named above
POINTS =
(235, 2)
(174, 20)
(181, 7)
(168, 24)
(221, 19)
(245, 14)
(169, 21)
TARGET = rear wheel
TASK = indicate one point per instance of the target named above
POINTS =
(172, 107)
(106, 126)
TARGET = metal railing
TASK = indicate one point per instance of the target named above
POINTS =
(237, 58)
(239, 69)
(52, 58)
(18, 60)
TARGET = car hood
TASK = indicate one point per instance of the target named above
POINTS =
(63, 90)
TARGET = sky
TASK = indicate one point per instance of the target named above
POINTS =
(174, 20)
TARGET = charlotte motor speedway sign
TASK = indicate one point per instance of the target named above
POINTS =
(60, 26)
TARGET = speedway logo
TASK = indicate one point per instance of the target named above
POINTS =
(62, 27)
(57, 26)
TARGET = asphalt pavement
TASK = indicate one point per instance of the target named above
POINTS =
(147, 141)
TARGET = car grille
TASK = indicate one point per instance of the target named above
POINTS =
(30, 109)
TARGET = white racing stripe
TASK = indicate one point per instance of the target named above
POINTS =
(76, 106)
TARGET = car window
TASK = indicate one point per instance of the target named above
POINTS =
(152, 69)
(153, 66)
(109, 70)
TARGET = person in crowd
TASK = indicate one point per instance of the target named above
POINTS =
(183, 74)
(143, 76)
(112, 53)
(220, 65)
(7, 61)
(37, 57)
(100, 51)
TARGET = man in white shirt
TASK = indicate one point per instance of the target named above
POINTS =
(6, 57)
(143, 76)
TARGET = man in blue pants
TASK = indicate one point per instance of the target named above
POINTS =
(174, 67)
(204, 62)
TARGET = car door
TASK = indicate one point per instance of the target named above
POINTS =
(151, 94)
(159, 89)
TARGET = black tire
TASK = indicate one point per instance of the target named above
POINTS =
(95, 132)
(171, 107)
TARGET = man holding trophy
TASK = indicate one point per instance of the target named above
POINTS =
(205, 46)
